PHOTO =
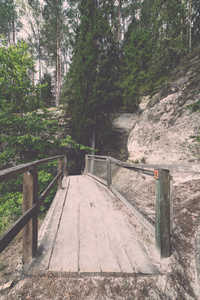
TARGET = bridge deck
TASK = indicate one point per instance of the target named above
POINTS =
(86, 231)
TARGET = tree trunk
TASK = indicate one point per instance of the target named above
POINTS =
(119, 22)
(13, 25)
(190, 24)
(92, 152)
(140, 15)
(182, 25)
(57, 63)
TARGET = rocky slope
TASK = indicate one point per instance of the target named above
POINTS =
(162, 132)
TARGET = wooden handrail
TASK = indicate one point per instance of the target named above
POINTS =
(162, 232)
(17, 170)
(31, 202)
(122, 164)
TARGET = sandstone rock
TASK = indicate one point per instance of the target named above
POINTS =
(162, 133)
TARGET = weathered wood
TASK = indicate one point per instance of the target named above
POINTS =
(30, 204)
(97, 157)
(86, 169)
(109, 173)
(104, 182)
(30, 197)
(119, 163)
(163, 242)
(65, 171)
(48, 232)
(14, 171)
(96, 252)
(91, 164)
(11, 233)
(59, 170)
(66, 247)
(46, 192)
(93, 236)
(35, 217)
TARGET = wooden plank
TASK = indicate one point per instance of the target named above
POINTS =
(109, 173)
(65, 171)
(86, 169)
(111, 230)
(59, 168)
(11, 233)
(132, 167)
(14, 171)
(66, 249)
(88, 253)
(46, 192)
(94, 235)
(130, 253)
(48, 232)
(96, 252)
(163, 242)
(35, 217)
(30, 197)
(104, 182)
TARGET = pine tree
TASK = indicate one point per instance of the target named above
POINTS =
(135, 68)
(92, 72)
(196, 23)
(9, 21)
(46, 91)
(53, 36)
(168, 38)
(31, 10)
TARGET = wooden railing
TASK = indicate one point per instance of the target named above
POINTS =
(162, 228)
(31, 202)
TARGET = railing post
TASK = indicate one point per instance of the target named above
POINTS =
(86, 165)
(30, 197)
(65, 172)
(59, 181)
(91, 164)
(163, 242)
(109, 172)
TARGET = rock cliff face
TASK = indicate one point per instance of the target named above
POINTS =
(162, 132)
(122, 124)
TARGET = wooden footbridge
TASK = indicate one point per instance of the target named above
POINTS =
(88, 228)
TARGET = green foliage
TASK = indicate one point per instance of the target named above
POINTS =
(77, 147)
(10, 209)
(196, 23)
(194, 107)
(135, 68)
(9, 19)
(46, 91)
(16, 90)
(45, 176)
(28, 135)
(11, 195)
(154, 44)
(89, 87)
(169, 34)
(26, 132)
